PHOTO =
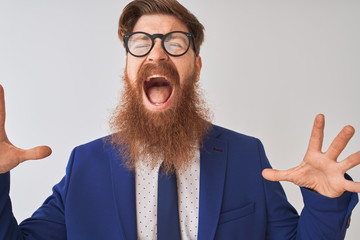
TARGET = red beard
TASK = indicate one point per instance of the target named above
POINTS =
(172, 135)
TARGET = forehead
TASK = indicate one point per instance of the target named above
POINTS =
(159, 23)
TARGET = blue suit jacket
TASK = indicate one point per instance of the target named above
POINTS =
(96, 198)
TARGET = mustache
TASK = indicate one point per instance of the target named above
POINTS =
(165, 69)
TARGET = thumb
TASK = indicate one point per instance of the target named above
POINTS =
(36, 153)
(275, 175)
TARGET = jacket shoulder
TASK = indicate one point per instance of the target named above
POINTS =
(95, 148)
(232, 136)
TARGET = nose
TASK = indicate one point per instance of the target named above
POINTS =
(157, 53)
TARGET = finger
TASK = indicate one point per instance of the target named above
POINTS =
(351, 161)
(340, 142)
(317, 134)
(352, 186)
(35, 153)
(275, 175)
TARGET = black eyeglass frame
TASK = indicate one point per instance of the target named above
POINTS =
(162, 37)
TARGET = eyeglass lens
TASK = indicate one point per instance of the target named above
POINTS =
(175, 43)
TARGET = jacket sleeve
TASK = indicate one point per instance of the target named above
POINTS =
(8, 225)
(321, 218)
(48, 222)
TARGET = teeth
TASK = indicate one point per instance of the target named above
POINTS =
(155, 76)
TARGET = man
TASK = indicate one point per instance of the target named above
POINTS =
(111, 189)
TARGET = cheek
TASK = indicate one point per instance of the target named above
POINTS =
(132, 69)
(185, 67)
(186, 71)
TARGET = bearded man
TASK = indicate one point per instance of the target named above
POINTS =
(166, 172)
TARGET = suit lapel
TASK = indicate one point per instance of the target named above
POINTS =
(213, 159)
(124, 196)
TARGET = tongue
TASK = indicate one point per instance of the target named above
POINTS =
(159, 94)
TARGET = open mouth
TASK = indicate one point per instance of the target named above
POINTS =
(158, 91)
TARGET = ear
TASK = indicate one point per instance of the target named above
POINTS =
(198, 63)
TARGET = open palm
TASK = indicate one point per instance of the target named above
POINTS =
(320, 171)
(11, 156)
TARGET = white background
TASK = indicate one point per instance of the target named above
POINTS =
(268, 68)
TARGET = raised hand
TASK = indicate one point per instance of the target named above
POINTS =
(320, 171)
(11, 156)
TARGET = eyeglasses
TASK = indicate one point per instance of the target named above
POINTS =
(176, 43)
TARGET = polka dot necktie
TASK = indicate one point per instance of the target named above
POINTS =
(167, 214)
